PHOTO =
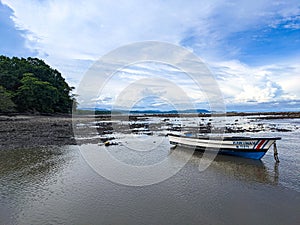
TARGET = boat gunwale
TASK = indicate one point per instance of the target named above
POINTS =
(226, 138)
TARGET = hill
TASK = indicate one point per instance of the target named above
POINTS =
(30, 85)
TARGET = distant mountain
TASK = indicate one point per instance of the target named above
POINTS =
(95, 109)
(146, 111)
(169, 112)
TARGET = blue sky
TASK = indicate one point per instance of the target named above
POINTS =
(252, 48)
(12, 41)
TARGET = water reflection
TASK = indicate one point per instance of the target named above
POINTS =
(26, 173)
(276, 172)
(237, 167)
(32, 165)
(56, 186)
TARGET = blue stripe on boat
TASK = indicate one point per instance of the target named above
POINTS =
(251, 155)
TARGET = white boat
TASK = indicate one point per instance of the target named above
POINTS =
(247, 147)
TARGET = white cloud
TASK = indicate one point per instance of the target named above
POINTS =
(241, 83)
(64, 31)
(174, 81)
(87, 29)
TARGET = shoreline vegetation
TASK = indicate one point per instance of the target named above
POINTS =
(31, 86)
(28, 130)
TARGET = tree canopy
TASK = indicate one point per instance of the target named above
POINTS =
(6, 104)
(30, 85)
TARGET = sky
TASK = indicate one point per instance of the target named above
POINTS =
(252, 48)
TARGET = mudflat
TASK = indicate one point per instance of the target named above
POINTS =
(31, 131)
(19, 131)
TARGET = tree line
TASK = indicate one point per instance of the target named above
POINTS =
(30, 85)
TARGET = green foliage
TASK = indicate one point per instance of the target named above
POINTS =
(6, 104)
(35, 85)
(36, 95)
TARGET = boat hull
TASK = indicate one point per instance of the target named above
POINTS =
(249, 155)
(247, 147)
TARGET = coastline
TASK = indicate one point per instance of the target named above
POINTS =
(25, 131)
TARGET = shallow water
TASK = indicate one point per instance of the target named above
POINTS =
(55, 185)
